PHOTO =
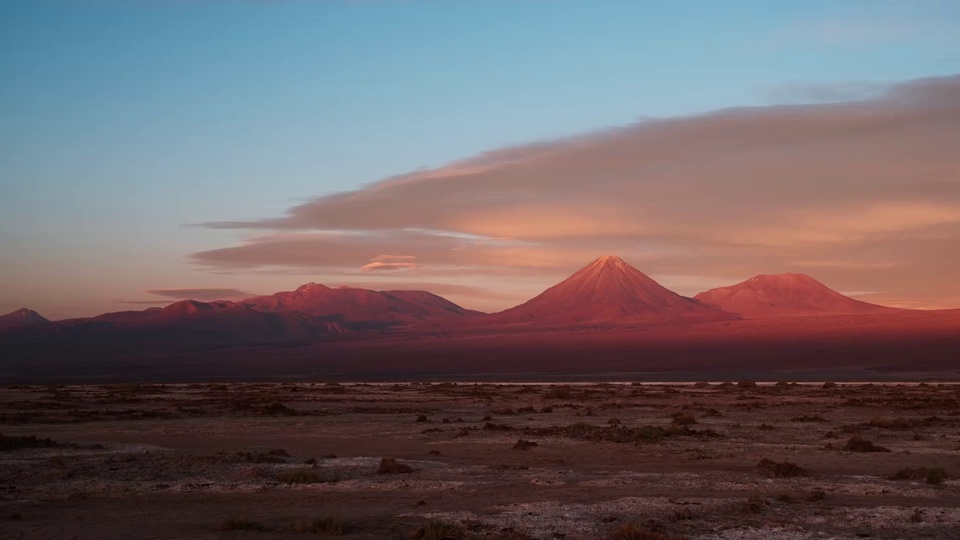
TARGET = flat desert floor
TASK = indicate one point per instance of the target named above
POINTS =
(511, 461)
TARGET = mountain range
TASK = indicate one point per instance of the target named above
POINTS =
(606, 291)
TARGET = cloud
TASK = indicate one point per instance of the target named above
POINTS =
(868, 189)
(390, 263)
(199, 294)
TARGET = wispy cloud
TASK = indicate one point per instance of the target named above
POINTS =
(200, 294)
(867, 189)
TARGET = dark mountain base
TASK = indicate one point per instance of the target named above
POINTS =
(889, 347)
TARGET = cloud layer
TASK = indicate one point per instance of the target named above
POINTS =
(201, 294)
(864, 195)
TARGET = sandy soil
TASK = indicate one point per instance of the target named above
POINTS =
(177, 461)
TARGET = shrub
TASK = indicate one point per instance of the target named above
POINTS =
(558, 392)
(807, 418)
(241, 524)
(933, 475)
(701, 384)
(306, 475)
(392, 466)
(755, 505)
(816, 494)
(524, 445)
(747, 384)
(438, 530)
(10, 443)
(857, 443)
(783, 469)
(422, 418)
(828, 385)
(634, 531)
(683, 419)
(329, 525)
(889, 423)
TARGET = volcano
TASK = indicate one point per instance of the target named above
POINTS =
(785, 295)
(609, 289)
(22, 318)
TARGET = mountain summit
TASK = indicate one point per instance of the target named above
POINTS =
(608, 289)
(784, 295)
(22, 317)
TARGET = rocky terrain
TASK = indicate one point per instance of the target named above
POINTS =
(461, 460)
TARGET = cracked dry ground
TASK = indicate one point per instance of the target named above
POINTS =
(182, 461)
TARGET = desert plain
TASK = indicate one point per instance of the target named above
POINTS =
(733, 460)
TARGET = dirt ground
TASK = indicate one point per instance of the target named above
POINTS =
(622, 461)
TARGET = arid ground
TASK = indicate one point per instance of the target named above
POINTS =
(731, 461)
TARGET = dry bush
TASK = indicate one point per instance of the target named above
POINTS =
(524, 445)
(701, 384)
(438, 530)
(747, 384)
(857, 443)
(300, 476)
(783, 469)
(422, 418)
(816, 494)
(392, 466)
(10, 443)
(328, 525)
(558, 392)
(807, 418)
(682, 419)
(755, 505)
(931, 475)
(241, 524)
(635, 531)
(828, 385)
(890, 423)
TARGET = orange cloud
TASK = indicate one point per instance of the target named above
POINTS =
(870, 189)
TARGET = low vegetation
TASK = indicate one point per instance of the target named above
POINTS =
(304, 475)
(392, 466)
(328, 525)
(635, 531)
(11, 443)
(783, 469)
(857, 443)
(241, 524)
(931, 475)
(438, 530)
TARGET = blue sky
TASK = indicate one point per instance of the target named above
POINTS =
(123, 122)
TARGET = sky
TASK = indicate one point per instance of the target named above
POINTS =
(153, 150)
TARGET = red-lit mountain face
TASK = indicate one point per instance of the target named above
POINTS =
(360, 305)
(785, 295)
(609, 289)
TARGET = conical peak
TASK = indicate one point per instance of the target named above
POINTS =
(609, 260)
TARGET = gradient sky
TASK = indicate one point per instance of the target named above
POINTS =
(157, 149)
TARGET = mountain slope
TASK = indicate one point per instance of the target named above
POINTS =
(609, 289)
(22, 318)
(360, 305)
(784, 295)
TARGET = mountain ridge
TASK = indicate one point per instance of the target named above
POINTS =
(783, 295)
